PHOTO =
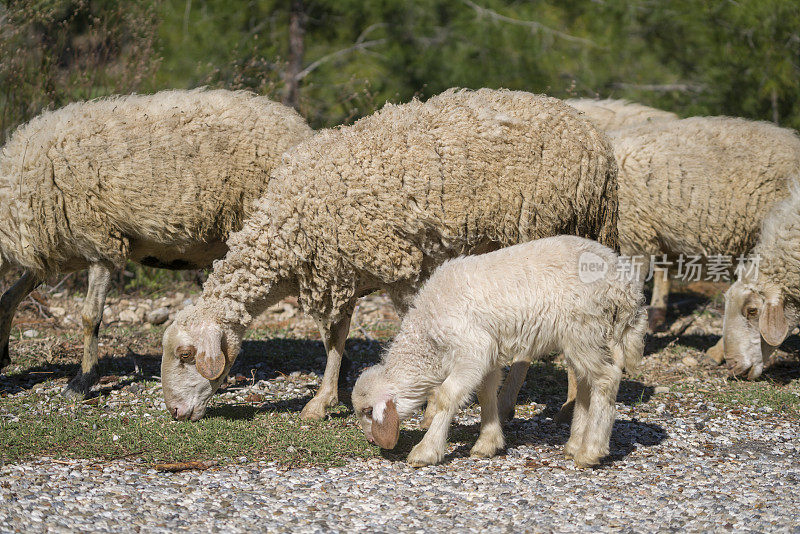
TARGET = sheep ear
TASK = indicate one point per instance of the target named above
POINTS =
(772, 323)
(385, 425)
(210, 359)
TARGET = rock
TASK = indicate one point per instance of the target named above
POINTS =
(178, 299)
(108, 315)
(158, 316)
(57, 311)
(660, 390)
(689, 361)
(128, 316)
(30, 333)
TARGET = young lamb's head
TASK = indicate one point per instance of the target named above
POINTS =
(375, 408)
(755, 324)
(198, 354)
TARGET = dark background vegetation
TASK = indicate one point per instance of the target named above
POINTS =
(338, 60)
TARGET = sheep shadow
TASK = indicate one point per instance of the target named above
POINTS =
(121, 370)
(546, 383)
(626, 437)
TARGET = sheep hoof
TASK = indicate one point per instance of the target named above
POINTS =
(506, 413)
(656, 317)
(81, 385)
(421, 455)
(5, 358)
(583, 460)
(717, 353)
(564, 415)
(315, 410)
(571, 448)
(487, 447)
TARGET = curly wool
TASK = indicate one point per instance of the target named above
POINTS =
(381, 203)
(610, 114)
(700, 185)
(165, 175)
(778, 250)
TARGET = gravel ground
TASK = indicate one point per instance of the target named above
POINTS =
(681, 459)
(673, 467)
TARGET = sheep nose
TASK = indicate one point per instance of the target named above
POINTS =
(181, 413)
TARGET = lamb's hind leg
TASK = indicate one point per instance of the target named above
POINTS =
(8, 307)
(580, 415)
(604, 383)
(92, 316)
(491, 437)
(333, 337)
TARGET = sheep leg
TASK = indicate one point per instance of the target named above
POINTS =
(602, 412)
(8, 307)
(91, 316)
(333, 337)
(580, 417)
(564, 415)
(511, 386)
(491, 437)
(657, 314)
(451, 394)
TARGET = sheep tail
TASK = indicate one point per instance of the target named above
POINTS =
(628, 350)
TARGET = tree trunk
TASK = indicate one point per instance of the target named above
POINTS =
(297, 31)
(775, 117)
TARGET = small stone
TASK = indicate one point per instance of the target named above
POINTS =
(57, 311)
(660, 390)
(30, 333)
(128, 316)
(689, 361)
(158, 316)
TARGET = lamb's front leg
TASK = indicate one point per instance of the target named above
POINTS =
(491, 437)
(446, 400)
(333, 337)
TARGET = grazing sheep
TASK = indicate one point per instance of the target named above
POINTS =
(610, 114)
(698, 186)
(476, 314)
(764, 303)
(159, 179)
(380, 204)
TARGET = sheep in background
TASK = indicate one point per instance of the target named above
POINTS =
(610, 114)
(380, 204)
(158, 179)
(698, 186)
(762, 306)
(476, 314)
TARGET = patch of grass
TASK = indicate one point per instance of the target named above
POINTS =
(227, 432)
(782, 399)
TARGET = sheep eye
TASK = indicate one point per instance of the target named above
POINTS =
(751, 312)
(368, 412)
(186, 353)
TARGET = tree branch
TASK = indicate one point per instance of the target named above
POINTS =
(663, 88)
(344, 51)
(533, 25)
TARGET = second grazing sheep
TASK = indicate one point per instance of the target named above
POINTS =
(379, 205)
(476, 314)
(610, 114)
(159, 179)
(762, 306)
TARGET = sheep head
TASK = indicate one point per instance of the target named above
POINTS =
(376, 410)
(197, 355)
(756, 323)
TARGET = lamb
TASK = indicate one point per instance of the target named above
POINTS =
(764, 302)
(610, 114)
(159, 179)
(380, 204)
(697, 186)
(476, 314)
